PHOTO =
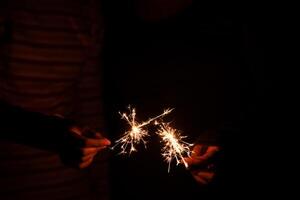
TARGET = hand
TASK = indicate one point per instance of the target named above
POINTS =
(80, 147)
(201, 165)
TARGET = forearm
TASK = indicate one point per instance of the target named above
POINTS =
(31, 128)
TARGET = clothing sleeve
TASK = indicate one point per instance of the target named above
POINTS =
(31, 128)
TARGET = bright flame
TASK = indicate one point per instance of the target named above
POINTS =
(174, 147)
(137, 132)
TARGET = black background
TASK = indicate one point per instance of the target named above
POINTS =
(181, 62)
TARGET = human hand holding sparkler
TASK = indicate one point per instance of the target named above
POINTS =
(201, 163)
(80, 146)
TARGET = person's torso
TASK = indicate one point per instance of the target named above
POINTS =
(49, 64)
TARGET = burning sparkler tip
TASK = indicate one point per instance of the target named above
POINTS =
(174, 147)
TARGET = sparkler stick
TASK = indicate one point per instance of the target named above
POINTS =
(137, 132)
(174, 147)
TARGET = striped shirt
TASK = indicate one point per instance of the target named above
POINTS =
(49, 64)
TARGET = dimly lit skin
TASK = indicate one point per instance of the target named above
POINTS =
(199, 165)
(82, 147)
(76, 146)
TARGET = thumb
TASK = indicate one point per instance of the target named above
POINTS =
(98, 135)
(93, 142)
(94, 138)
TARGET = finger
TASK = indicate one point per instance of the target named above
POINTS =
(76, 130)
(211, 150)
(195, 153)
(91, 142)
(86, 163)
(89, 150)
(208, 176)
(197, 150)
(188, 161)
(203, 159)
(103, 147)
(88, 157)
(98, 135)
(191, 161)
(199, 179)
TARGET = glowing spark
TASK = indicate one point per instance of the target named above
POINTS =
(137, 132)
(174, 147)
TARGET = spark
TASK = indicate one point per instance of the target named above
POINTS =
(174, 146)
(137, 133)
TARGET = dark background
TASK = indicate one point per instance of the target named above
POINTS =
(209, 62)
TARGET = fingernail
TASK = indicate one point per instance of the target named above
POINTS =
(107, 142)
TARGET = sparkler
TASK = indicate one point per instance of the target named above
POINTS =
(137, 132)
(174, 146)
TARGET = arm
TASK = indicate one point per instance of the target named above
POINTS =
(50, 133)
(43, 131)
(31, 128)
